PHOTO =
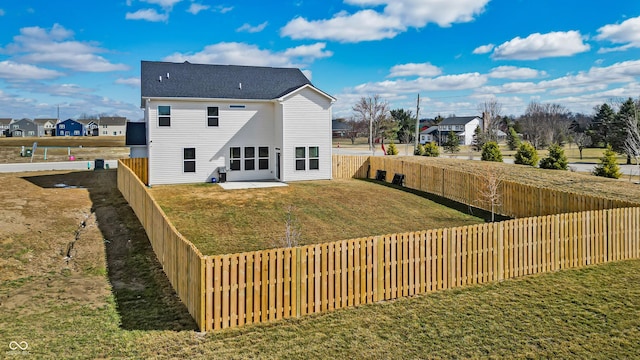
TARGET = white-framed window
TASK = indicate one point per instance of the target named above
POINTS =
(189, 158)
(164, 115)
(76, 132)
(263, 158)
(31, 133)
(61, 126)
(314, 158)
(234, 158)
(249, 158)
(212, 116)
(301, 158)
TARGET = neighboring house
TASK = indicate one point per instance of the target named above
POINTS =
(429, 135)
(253, 123)
(136, 139)
(48, 126)
(339, 128)
(70, 127)
(24, 128)
(91, 126)
(112, 125)
(463, 126)
(4, 126)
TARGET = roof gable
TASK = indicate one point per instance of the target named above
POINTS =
(186, 80)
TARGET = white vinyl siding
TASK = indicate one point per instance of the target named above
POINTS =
(307, 123)
(249, 127)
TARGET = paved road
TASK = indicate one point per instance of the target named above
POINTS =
(578, 167)
(54, 165)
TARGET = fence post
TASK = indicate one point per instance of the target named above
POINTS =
(208, 292)
(297, 294)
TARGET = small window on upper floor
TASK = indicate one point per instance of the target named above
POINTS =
(164, 115)
(212, 116)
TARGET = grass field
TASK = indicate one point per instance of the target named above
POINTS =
(113, 301)
(225, 222)
(59, 148)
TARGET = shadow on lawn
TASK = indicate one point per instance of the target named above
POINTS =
(463, 208)
(144, 297)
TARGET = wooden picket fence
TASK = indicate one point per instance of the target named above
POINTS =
(226, 291)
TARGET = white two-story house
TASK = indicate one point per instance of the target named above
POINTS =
(463, 126)
(239, 122)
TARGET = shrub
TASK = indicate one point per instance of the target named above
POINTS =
(556, 160)
(419, 150)
(526, 155)
(431, 149)
(608, 166)
(491, 152)
(392, 149)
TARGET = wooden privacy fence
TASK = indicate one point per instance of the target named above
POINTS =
(517, 200)
(140, 167)
(181, 261)
(225, 291)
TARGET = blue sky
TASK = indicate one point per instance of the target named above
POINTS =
(83, 57)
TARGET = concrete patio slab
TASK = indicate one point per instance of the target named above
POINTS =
(238, 185)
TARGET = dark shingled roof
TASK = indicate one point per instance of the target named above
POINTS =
(218, 81)
(458, 120)
(136, 133)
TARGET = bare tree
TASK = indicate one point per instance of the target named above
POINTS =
(582, 140)
(291, 236)
(375, 111)
(356, 128)
(632, 140)
(544, 124)
(491, 111)
(489, 192)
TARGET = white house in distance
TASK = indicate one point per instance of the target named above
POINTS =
(112, 125)
(250, 123)
(463, 126)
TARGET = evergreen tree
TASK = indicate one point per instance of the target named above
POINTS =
(419, 150)
(478, 139)
(513, 139)
(608, 166)
(556, 160)
(600, 127)
(526, 154)
(392, 149)
(491, 152)
(431, 149)
(452, 144)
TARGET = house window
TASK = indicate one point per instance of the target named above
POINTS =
(115, 133)
(263, 161)
(314, 158)
(189, 160)
(76, 132)
(236, 106)
(104, 126)
(164, 115)
(104, 133)
(300, 158)
(249, 158)
(61, 126)
(212, 116)
(31, 133)
(235, 158)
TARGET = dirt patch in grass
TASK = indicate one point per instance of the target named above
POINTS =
(221, 221)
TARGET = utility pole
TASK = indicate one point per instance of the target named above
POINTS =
(417, 122)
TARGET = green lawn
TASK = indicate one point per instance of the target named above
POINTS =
(224, 222)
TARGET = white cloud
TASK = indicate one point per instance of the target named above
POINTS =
(10, 70)
(397, 16)
(628, 33)
(514, 72)
(56, 47)
(132, 81)
(147, 14)
(195, 8)
(413, 69)
(247, 54)
(223, 9)
(484, 49)
(252, 29)
(166, 4)
(537, 46)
